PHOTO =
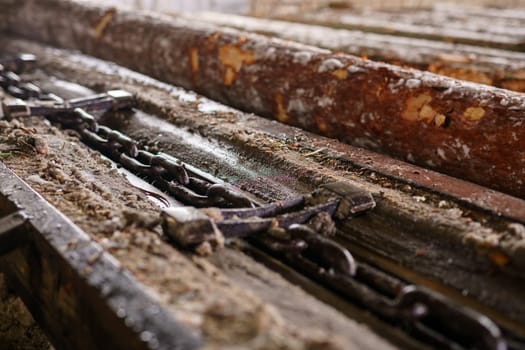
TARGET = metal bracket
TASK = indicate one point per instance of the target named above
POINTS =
(111, 100)
(189, 226)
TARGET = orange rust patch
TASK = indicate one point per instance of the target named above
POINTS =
(321, 125)
(233, 59)
(211, 39)
(417, 108)
(103, 22)
(498, 258)
(229, 76)
(474, 113)
(439, 120)
(340, 73)
(194, 60)
(281, 115)
(414, 104)
(514, 84)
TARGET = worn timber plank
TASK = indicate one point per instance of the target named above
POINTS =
(79, 293)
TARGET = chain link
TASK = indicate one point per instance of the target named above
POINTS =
(163, 170)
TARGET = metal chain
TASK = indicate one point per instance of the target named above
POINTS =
(424, 313)
(73, 114)
(162, 169)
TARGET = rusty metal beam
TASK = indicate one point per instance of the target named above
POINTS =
(499, 68)
(465, 130)
(79, 294)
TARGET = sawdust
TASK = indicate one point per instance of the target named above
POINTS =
(87, 189)
(18, 330)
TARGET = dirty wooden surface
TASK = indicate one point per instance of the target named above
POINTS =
(450, 241)
(466, 130)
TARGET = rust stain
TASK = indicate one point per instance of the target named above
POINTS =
(281, 115)
(417, 108)
(474, 113)
(440, 120)
(209, 44)
(103, 22)
(498, 258)
(516, 85)
(321, 124)
(229, 76)
(340, 73)
(194, 60)
(233, 58)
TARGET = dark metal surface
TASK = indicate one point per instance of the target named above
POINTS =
(424, 314)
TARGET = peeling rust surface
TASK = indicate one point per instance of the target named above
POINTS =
(365, 108)
(233, 58)
(500, 68)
